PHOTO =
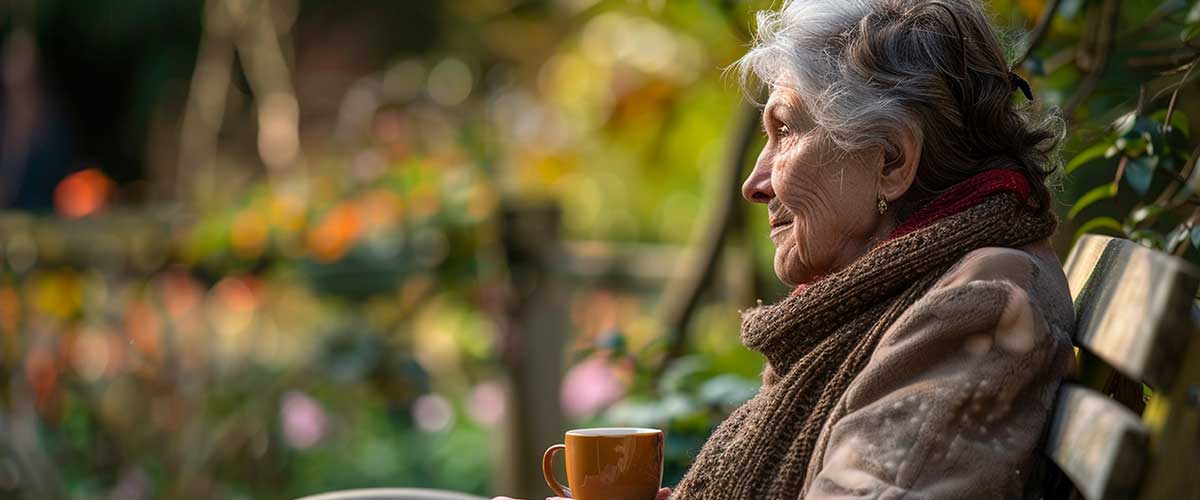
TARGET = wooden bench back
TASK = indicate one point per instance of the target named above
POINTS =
(1135, 320)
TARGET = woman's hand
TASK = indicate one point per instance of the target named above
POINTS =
(662, 495)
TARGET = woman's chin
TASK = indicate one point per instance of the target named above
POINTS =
(787, 269)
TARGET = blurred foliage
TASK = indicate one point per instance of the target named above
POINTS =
(1131, 168)
(337, 326)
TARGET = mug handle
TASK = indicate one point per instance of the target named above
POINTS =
(548, 471)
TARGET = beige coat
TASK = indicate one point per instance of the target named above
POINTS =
(954, 400)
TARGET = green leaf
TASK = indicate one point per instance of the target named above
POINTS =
(1100, 223)
(1093, 153)
(1096, 194)
(1139, 172)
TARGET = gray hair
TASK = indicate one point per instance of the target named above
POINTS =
(870, 70)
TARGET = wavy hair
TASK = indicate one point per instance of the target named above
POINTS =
(869, 70)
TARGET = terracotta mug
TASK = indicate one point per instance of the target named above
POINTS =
(609, 464)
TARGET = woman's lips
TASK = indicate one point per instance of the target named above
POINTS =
(779, 226)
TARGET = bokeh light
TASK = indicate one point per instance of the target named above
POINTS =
(488, 403)
(450, 82)
(334, 235)
(591, 386)
(433, 413)
(83, 193)
(303, 420)
(21, 252)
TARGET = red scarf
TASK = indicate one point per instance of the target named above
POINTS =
(959, 197)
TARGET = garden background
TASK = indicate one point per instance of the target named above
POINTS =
(268, 248)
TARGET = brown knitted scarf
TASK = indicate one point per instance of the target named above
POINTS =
(818, 341)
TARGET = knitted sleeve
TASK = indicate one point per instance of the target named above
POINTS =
(953, 402)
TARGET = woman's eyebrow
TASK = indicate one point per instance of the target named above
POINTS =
(766, 114)
(777, 111)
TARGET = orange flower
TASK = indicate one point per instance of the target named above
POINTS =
(83, 193)
(337, 232)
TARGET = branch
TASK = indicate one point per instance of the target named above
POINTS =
(1182, 177)
(204, 113)
(1120, 173)
(681, 305)
(1175, 94)
(1107, 29)
(1151, 22)
(1192, 220)
(1152, 62)
(1039, 31)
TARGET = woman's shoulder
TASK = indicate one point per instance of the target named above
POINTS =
(1033, 269)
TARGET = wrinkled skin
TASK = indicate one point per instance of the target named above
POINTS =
(823, 203)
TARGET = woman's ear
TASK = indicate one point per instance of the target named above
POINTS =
(900, 160)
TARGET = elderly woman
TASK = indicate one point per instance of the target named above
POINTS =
(928, 332)
(921, 351)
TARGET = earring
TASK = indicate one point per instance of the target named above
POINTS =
(882, 205)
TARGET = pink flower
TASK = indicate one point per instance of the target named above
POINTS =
(303, 419)
(487, 403)
(590, 386)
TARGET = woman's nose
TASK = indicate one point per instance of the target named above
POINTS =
(757, 187)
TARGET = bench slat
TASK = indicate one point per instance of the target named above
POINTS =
(1099, 444)
(1132, 306)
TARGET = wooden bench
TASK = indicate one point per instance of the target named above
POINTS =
(1136, 322)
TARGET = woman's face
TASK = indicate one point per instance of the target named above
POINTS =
(823, 204)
